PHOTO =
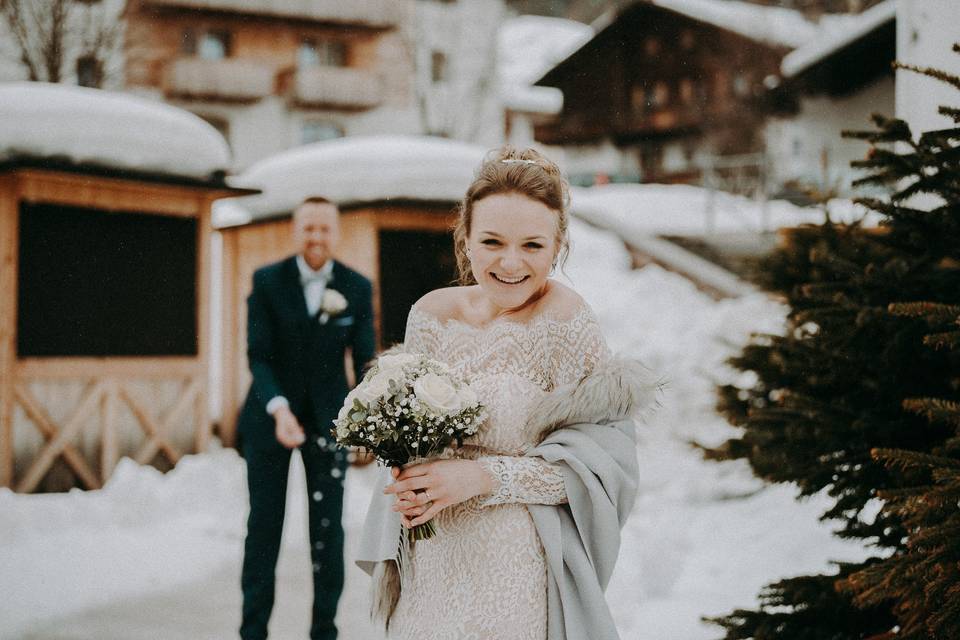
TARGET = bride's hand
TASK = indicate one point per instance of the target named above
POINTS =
(425, 489)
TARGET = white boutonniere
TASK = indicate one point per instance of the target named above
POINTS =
(333, 303)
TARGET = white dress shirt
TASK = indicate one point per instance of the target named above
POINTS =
(314, 283)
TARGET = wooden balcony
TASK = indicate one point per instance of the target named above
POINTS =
(229, 79)
(337, 88)
(373, 14)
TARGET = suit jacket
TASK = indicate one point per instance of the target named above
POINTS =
(292, 354)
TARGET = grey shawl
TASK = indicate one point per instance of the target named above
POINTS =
(586, 428)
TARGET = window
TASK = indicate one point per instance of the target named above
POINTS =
(686, 90)
(687, 39)
(99, 283)
(741, 84)
(188, 42)
(438, 66)
(326, 52)
(661, 94)
(651, 46)
(89, 71)
(317, 131)
(215, 45)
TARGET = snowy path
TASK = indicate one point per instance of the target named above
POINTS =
(158, 556)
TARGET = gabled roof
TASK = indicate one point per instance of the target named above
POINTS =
(839, 64)
(819, 50)
(768, 27)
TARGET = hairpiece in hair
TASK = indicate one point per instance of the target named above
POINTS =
(517, 161)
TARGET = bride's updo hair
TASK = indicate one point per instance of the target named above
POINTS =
(510, 170)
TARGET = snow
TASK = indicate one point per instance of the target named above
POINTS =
(818, 49)
(703, 538)
(353, 170)
(106, 129)
(687, 210)
(529, 46)
(776, 26)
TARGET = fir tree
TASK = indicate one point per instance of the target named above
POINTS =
(923, 579)
(843, 400)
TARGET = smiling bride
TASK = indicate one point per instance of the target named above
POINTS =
(528, 513)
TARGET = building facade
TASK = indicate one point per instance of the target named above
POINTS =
(654, 93)
(270, 74)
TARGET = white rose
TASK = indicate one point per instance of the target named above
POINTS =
(373, 389)
(333, 302)
(396, 361)
(437, 393)
(466, 396)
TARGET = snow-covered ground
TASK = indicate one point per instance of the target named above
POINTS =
(702, 539)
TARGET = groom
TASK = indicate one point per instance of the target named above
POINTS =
(304, 313)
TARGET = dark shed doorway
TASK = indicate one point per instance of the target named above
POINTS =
(411, 264)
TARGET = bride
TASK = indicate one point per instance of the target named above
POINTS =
(528, 515)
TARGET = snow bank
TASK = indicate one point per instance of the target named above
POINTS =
(357, 169)
(686, 210)
(143, 532)
(106, 129)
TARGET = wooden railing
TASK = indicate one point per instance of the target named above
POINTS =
(231, 79)
(107, 393)
(337, 87)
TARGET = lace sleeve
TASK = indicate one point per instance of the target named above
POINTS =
(526, 480)
(422, 334)
(578, 347)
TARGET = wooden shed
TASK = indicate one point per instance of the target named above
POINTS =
(397, 196)
(105, 204)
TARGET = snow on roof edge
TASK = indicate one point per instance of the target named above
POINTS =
(801, 59)
(361, 169)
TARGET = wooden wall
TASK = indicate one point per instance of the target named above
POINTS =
(66, 421)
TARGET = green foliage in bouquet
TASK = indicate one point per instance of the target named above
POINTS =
(858, 400)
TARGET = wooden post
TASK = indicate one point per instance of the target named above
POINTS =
(9, 242)
(202, 424)
(229, 338)
(109, 444)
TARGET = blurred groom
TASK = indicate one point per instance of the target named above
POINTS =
(304, 313)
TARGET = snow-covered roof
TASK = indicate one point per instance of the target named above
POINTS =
(90, 127)
(821, 48)
(352, 170)
(776, 26)
(529, 46)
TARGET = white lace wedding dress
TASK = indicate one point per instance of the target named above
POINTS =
(483, 576)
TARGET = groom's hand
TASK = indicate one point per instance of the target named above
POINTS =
(289, 432)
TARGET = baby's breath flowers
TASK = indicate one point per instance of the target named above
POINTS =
(408, 407)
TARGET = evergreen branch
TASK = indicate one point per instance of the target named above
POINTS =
(934, 409)
(947, 339)
(904, 459)
(950, 112)
(936, 74)
(935, 313)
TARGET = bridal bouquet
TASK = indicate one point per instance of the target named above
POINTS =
(408, 408)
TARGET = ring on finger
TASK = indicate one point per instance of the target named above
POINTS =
(427, 493)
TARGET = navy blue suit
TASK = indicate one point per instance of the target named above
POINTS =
(294, 355)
